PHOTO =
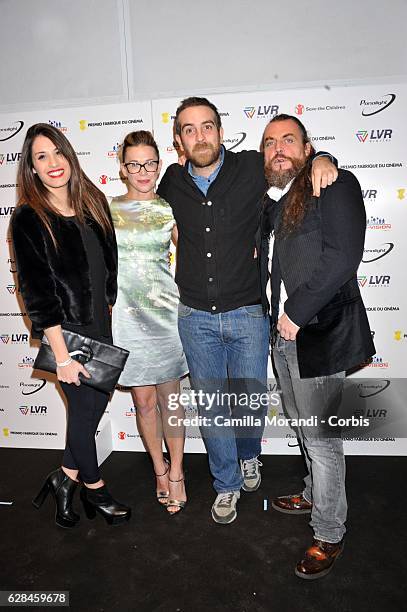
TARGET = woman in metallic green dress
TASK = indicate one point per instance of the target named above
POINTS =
(145, 314)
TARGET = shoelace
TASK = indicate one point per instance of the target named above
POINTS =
(250, 466)
(225, 499)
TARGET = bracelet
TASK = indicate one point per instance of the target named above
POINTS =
(64, 363)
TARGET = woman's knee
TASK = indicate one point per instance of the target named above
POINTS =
(145, 402)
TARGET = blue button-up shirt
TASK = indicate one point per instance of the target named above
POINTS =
(204, 182)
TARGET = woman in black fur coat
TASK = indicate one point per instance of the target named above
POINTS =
(66, 258)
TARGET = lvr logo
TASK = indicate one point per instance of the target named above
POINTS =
(373, 135)
(374, 280)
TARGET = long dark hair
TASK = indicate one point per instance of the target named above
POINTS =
(300, 193)
(84, 197)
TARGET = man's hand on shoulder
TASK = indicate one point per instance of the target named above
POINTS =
(323, 173)
(287, 329)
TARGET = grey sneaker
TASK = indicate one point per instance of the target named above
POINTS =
(224, 509)
(251, 474)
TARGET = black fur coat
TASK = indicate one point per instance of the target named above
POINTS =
(54, 282)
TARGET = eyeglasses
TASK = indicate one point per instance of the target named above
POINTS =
(134, 167)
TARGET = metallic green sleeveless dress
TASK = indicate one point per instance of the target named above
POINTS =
(144, 319)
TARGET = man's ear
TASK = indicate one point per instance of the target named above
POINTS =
(178, 141)
(307, 149)
(221, 134)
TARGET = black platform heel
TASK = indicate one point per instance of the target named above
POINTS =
(63, 489)
(100, 500)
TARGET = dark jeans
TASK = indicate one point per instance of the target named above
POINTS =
(85, 409)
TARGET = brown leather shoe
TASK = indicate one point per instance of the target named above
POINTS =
(292, 504)
(318, 560)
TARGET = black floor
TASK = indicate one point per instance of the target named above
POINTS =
(188, 563)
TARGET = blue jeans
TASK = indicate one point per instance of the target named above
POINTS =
(324, 458)
(227, 354)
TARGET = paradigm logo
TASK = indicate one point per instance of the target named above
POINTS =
(381, 135)
(401, 194)
(372, 107)
(234, 141)
(375, 254)
(33, 410)
(369, 194)
(399, 335)
(261, 112)
(12, 264)
(371, 388)
(58, 125)
(11, 130)
(9, 159)
(6, 432)
(32, 387)
(374, 281)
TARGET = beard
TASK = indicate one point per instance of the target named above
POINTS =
(281, 178)
(203, 155)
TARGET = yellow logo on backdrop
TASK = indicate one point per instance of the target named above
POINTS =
(397, 334)
(6, 432)
(401, 194)
(165, 117)
(83, 124)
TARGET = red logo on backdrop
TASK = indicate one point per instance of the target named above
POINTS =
(121, 435)
(103, 179)
(299, 109)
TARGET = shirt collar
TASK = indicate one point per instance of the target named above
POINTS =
(276, 194)
(214, 173)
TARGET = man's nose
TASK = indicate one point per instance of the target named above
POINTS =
(200, 135)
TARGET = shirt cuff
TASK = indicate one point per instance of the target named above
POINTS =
(323, 155)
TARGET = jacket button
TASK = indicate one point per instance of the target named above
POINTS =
(209, 254)
(210, 279)
(207, 229)
(209, 203)
(213, 307)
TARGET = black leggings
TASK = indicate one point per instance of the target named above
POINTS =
(85, 408)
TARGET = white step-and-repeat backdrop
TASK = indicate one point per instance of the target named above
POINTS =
(363, 127)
